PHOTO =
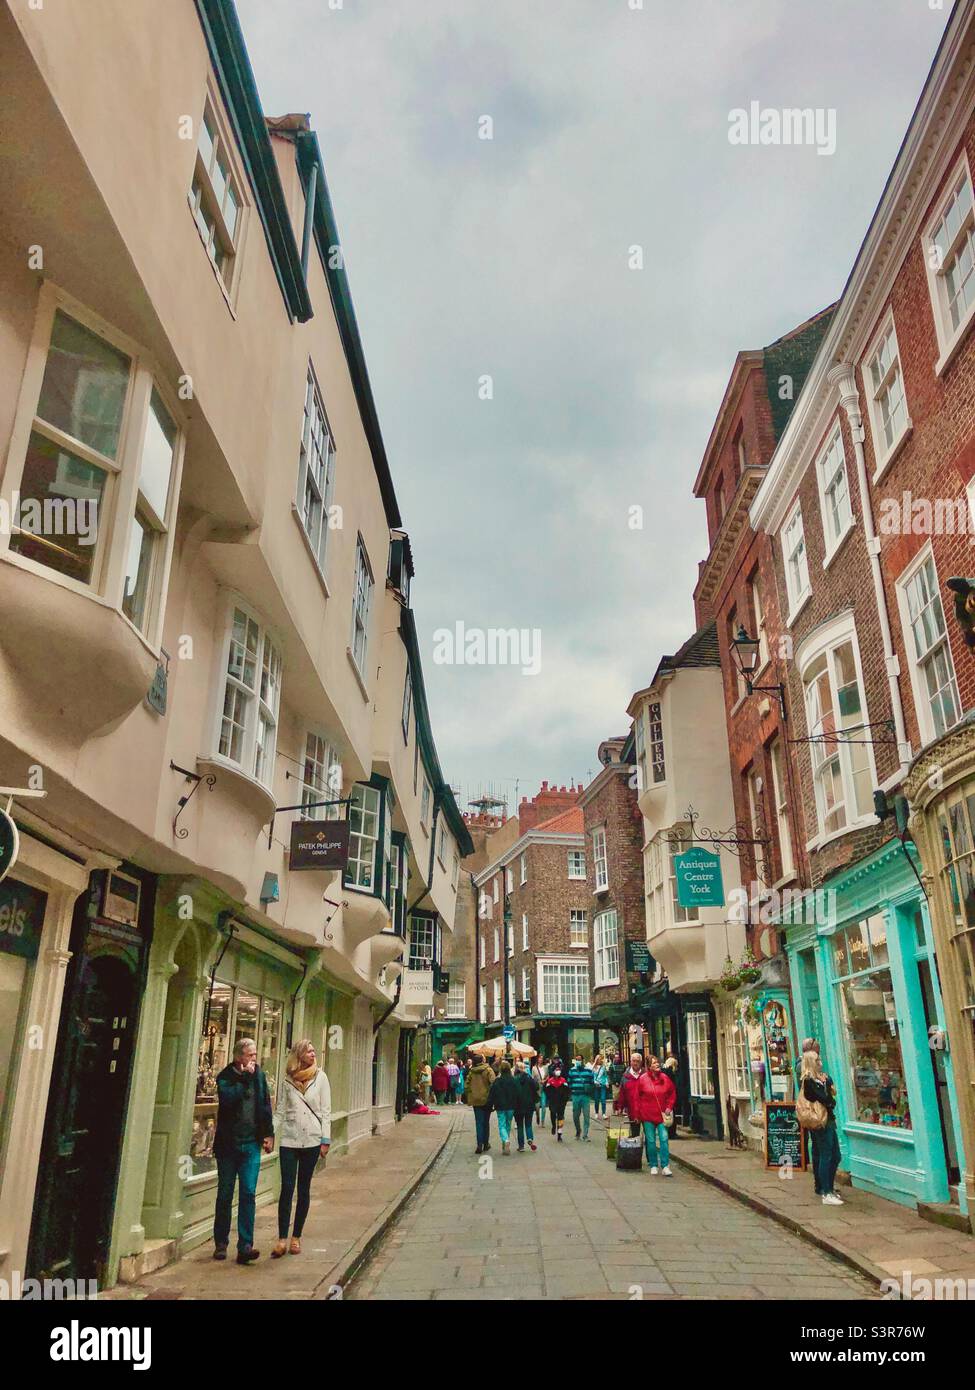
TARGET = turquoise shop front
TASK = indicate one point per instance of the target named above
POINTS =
(865, 983)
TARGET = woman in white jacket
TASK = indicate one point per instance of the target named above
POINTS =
(302, 1124)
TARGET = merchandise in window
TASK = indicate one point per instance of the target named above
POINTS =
(234, 1014)
(871, 1025)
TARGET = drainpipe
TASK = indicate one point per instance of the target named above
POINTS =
(310, 194)
(843, 377)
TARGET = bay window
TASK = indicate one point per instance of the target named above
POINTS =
(370, 866)
(563, 986)
(606, 948)
(248, 720)
(836, 718)
(94, 497)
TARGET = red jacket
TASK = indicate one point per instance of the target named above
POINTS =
(440, 1079)
(626, 1096)
(654, 1093)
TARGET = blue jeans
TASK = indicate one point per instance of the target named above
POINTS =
(482, 1125)
(242, 1162)
(825, 1157)
(601, 1098)
(505, 1121)
(654, 1137)
(524, 1123)
(542, 1102)
(580, 1110)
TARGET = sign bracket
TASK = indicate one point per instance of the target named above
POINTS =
(301, 806)
(196, 778)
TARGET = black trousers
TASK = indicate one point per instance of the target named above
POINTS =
(296, 1165)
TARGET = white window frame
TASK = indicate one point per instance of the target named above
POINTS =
(482, 1004)
(918, 663)
(524, 868)
(121, 497)
(600, 860)
(496, 1000)
(526, 983)
(606, 948)
(203, 190)
(835, 503)
(425, 799)
(482, 949)
(524, 931)
(454, 870)
(321, 784)
(738, 1057)
(257, 709)
(442, 845)
(422, 943)
(753, 592)
(777, 755)
(497, 944)
(321, 489)
(884, 453)
(453, 1010)
(797, 582)
(362, 592)
(564, 966)
(407, 705)
(826, 641)
(350, 880)
(509, 881)
(700, 1073)
(576, 855)
(496, 888)
(578, 928)
(949, 335)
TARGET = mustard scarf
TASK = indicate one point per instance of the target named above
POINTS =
(303, 1078)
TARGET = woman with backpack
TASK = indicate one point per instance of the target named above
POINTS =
(302, 1125)
(557, 1095)
(816, 1112)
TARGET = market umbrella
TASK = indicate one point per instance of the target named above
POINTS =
(493, 1047)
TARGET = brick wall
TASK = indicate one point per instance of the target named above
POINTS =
(610, 801)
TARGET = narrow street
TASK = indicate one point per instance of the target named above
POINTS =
(563, 1223)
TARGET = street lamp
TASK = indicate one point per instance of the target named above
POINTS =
(507, 973)
(746, 650)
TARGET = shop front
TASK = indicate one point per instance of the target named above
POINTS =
(684, 1026)
(865, 985)
(757, 1046)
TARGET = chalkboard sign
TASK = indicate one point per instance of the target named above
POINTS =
(783, 1135)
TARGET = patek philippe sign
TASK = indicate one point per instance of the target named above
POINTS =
(417, 988)
(698, 874)
(319, 844)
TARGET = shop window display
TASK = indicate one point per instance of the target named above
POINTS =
(959, 882)
(234, 1014)
(867, 1001)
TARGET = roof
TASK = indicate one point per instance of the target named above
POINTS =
(571, 822)
(700, 650)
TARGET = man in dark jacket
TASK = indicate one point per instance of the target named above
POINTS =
(582, 1089)
(525, 1108)
(477, 1093)
(245, 1125)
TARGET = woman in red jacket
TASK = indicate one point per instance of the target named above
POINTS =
(655, 1100)
(441, 1082)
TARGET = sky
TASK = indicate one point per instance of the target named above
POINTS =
(555, 253)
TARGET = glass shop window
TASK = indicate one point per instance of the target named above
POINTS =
(874, 1054)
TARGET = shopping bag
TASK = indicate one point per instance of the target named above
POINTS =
(629, 1153)
(616, 1128)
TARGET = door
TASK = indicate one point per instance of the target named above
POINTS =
(939, 1063)
(75, 1193)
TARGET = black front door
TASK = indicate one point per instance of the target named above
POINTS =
(75, 1192)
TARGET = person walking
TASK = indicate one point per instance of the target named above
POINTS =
(426, 1082)
(557, 1091)
(503, 1097)
(525, 1109)
(441, 1081)
(625, 1102)
(540, 1076)
(245, 1126)
(818, 1087)
(600, 1079)
(477, 1094)
(582, 1090)
(454, 1081)
(302, 1125)
(656, 1097)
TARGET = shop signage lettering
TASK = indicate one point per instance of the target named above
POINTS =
(21, 919)
(418, 988)
(638, 958)
(783, 1135)
(319, 844)
(9, 844)
(698, 873)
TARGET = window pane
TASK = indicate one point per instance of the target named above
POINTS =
(880, 1090)
(60, 496)
(205, 143)
(157, 456)
(138, 570)
(84, 387)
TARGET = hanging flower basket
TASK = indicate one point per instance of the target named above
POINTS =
(730, 976)
(749, 970)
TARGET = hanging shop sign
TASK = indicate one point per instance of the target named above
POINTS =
(319, 844)
(21, 919)
(698, 873)
(638, 958)
(417, 988)
(9, 844)
(783, 1136)
(523, 1007)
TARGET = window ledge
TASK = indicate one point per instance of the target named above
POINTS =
(895, 449)
(794, 612)
(961, 333)
(838, 545)
(819, 841)
(260, 797)
(358, 674)
(790, 877)
(319, 572)
(215, 272)
(578, 945)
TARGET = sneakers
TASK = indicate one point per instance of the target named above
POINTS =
(248, 1255)
(587, 1139)
(220, 1252)
(667, 1172)
(831, 1200)
(654, 1172)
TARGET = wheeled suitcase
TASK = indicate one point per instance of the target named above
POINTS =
(629, 1153)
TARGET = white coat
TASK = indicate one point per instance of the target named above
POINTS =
(302, 1120)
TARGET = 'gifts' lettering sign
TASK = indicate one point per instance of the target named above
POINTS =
(21, 918)
(319, 844)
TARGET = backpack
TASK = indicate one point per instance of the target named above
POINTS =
(811, 1114)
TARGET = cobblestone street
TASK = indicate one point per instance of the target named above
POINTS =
(563, 1223)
